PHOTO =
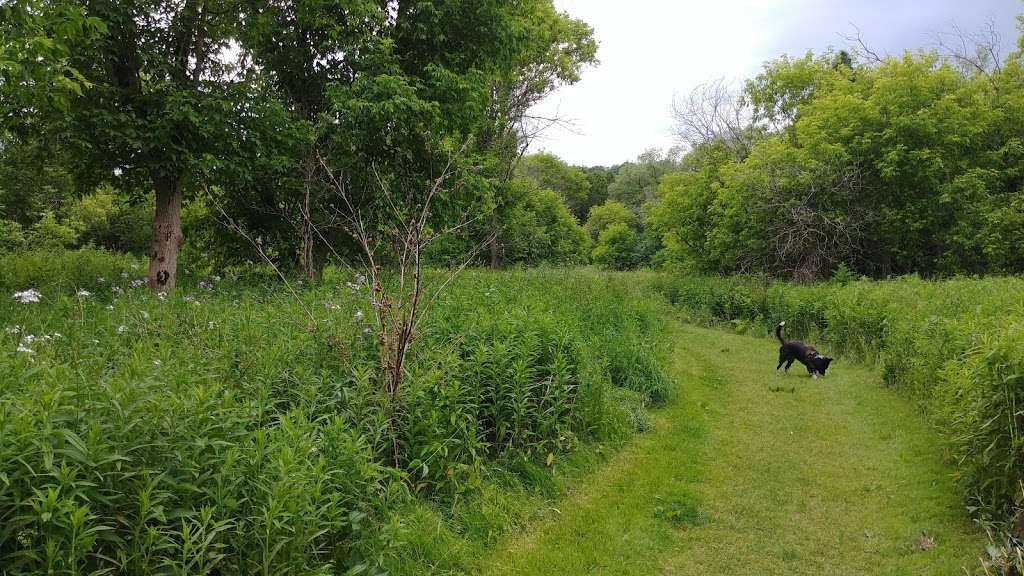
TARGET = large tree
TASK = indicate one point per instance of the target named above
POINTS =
(154, 102)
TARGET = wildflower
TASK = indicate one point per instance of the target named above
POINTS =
(22, 348)
(124, 275)
(157, 362)
(135, 266)
(27, 296)
(212, 326)
(366, 330)
(145, 315)
(121, 329)
(215, 278)
(117, 290)
(299, 282)
(95, 341)
(57, 335)
(110, 306)
(15, 330)
(359, 315)
(28, 339)
(101, 280)
(161, 296)
(84, 293)
(189, 298)
(138, 283)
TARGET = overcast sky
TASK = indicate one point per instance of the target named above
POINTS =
(651, 50)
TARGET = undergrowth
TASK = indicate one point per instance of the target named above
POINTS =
(217, 429)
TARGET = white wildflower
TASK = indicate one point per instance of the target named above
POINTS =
(360, 315)
(161, 296)
(157, 362)
(135, 266)
(212, 326)
(22, 348)
(101, 280)
(121, 329)
(145, 315)
(110, 306)
(124, 275)
(117, 290)
(27, 296)
(28, 339)
(84, 293)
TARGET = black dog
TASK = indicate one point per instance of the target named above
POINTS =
(795, 350)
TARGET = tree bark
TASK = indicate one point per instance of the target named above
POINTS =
(495, 248)
(167, 235)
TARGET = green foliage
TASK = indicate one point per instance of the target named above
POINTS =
(636, 183)
(906, 165)
(954, 346)
(216, 429)
(66, 272)
(49, 234)
(547, 172)
(607, 214)
(540, 228)
(12, 236)
(615, 246)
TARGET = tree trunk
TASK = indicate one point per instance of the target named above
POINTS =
(495, 249)
(167, 236)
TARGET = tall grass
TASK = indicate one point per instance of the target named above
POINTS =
(954, 345)
(217, 430)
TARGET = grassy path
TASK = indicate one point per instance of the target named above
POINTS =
(837, 476)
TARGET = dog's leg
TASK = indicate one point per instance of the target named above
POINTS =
(814, 375)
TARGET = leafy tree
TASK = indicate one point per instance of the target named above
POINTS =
(599, 178)
(38, 39)
(546, 171)
(156, 103)
(541, 229)
(615, 247)
(609, 213)
(547, 50)
(636, 183)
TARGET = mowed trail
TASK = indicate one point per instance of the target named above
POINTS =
(747, 472)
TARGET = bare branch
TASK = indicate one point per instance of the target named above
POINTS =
(859, 46)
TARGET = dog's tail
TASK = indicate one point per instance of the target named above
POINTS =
(778, 331)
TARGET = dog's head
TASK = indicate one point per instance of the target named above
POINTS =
(820, 363)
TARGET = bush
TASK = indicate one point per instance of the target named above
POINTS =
(12, 237)
(49, 234)
(615, 246)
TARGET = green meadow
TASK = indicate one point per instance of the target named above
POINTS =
(551, 422)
